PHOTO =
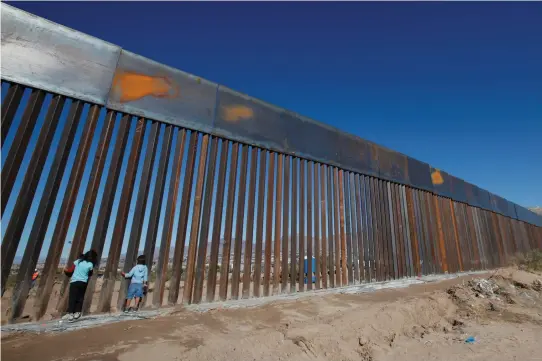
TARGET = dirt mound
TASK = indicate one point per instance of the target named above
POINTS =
(502, 312)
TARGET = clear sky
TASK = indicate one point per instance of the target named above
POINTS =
(457, 85)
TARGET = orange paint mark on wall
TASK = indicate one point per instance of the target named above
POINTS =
(129, 86)
(436, 177)
(235, 113)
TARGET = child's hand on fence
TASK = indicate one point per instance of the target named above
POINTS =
(123, 274)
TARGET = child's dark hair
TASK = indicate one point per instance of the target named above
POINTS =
(141, 260)
(91, 256)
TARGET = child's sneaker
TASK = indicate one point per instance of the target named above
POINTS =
(66, 316)
(71, 317)
(77, 315)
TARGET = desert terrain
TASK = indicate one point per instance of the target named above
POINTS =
(501, 310)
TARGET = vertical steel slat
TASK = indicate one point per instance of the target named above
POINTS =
(301, 265)
(110, 274)
(372, 221)
(456, 235)
(61, 228)
(205, 220)
(382, 229)
(463, 252)
(45, 209)
(403, 230)
(419, 231)
(371, 263)
(9, 108)
(15, 227)
(361, 195)
(340, 185)
(239, 224)
(159, 187)
(226, 248)
(178, 255)
(269, 223)
(104, 215)
(337, 235)
(425, 230)
(349, 231)
(308, 204)
(377, 214)
(478, 244)
(360, 230)
(472, 237)
(408, 240)
(450, 251)
(330, 229)
(139, 212)
(85, 215)
(217, 222)
(196, 219)
(259, 224)
(432, 233)
(316, 204)
(394, 235)
(250, 222)
(388, 228)
(447, 240)
(278, 224)
(19, 145)
(323, 213)
(295, 228)
(440, 235)
(413, 234)
(169, 219)
(497, 231)
(469, 258)
(501, 238)
(285, 224)
(397, 242)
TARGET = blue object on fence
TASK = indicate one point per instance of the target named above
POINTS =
(470, 340)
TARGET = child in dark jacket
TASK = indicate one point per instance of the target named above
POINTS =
(139, 278)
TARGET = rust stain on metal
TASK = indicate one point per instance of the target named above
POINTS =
(236, 113)
(130, 86)
(436, 177)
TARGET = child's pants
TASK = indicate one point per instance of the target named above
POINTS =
(77, 295)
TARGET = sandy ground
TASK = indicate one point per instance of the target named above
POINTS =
(503, 311)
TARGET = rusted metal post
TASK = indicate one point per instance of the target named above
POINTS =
(45, 286)
(323, 213)
(167, 233)
(18, 147)
(196, 219)
(139, 212)
(19, 215)
(259, 224)
(178, 256)
(45, 209)
(278, 221)
(247, 269)
(239, 225)
(285, 225)
(269, 224)
(9, 108)
(217, 222)
(110, 273)
(104, 215)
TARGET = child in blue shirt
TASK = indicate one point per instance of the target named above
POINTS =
(79, 272)
(139, 275)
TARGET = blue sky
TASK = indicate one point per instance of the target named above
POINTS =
(457, 85)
